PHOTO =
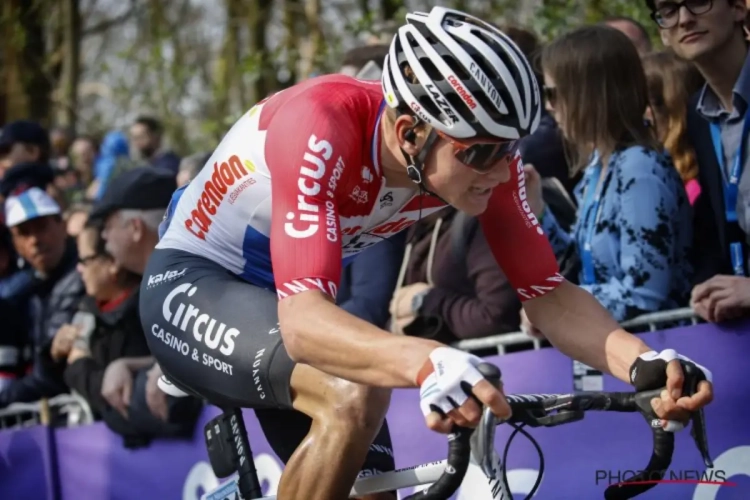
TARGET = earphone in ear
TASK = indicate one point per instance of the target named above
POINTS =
(410, 136)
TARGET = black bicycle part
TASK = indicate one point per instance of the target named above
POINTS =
(229, 452)
(550, 410)
(459, 452)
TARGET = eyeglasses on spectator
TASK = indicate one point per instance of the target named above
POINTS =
(667, 14)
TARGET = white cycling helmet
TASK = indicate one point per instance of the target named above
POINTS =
(462, 76)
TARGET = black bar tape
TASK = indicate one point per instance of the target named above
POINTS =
(657, 466)
(459, 453)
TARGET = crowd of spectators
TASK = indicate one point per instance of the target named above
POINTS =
(636, 174)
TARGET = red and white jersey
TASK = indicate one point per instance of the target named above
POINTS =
(296, 187)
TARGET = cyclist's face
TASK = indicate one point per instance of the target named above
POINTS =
(458, 184)
(694, 36)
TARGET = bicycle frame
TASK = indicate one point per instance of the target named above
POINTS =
(483, 454)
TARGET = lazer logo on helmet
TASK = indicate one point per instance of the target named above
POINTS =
(461, 91)
(224, 176)
(441, 102)
(189, 319)
(311, 172)
(521, 202)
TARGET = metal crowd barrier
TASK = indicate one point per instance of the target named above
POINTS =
(73, 407)
(500, 342)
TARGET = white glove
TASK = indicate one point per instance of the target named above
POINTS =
(449, 385)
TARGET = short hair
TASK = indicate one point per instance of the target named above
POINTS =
(88, 138)
(151, 218)
(624, 19)
(526, 40)
(194, 163)
(152, 124)
(359, 56)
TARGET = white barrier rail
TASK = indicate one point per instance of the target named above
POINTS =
(74, 406)
(500, 342)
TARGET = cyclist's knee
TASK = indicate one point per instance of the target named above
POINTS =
(357, 406)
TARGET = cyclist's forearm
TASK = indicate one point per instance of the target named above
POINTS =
(319, 333)
(574, 321)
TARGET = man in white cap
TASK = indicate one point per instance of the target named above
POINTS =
(39, 237)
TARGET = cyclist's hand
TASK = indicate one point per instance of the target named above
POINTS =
(653, 370)
(446, 382)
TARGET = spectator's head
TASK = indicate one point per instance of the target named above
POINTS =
(23, 142)
(145, 135)
(6, 251)
(76, 218)
(358, 57)
(596, 88)
(632, 29)
(83, 152)
(60, 139)
(37, 228)
(698, 30)
(190, 166)
(103, 278)
(671, 82)
(130, 212)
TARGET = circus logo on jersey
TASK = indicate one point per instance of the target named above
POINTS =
(223, 179)
(304, 220)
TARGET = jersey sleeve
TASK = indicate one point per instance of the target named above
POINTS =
(308, 147)
(517, 240)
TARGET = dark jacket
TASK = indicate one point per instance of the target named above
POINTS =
(471, 295)
(544, 149)
(367, 283)
(117, 334)
(166, 160)
(711, 233)
(53, 301)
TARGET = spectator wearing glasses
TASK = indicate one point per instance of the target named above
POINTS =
(634, 229)
(671, 82)
(710, 34)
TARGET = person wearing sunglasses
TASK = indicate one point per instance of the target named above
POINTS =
(250, 256)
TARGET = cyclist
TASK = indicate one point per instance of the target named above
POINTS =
(238, 300)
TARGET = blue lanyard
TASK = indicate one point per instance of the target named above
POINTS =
(590, 212)
(731, 186)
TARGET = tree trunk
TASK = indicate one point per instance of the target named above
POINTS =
(27, 88)
(71, 65)
(258, 20)
(313, 45)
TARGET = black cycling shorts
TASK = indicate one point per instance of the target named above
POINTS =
(217, 336)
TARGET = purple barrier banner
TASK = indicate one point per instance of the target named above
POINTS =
(581, 458)
(27, 468)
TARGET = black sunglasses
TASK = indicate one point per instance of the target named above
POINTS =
(481, 157)
(667, 14)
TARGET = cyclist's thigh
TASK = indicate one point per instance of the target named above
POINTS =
(285, 430)
(213, 333)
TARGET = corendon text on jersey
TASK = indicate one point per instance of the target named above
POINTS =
(225, 176)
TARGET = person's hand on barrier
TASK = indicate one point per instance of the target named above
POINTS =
(534, 189)
(117, 386)
(156, 399)
(673, 407)
(404, 307)
(445, 394)
(63, 341)
(528, 328)
(722, 298)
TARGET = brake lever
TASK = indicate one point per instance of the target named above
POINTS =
(483, 439)
(693, 377)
